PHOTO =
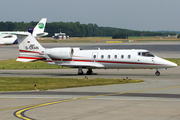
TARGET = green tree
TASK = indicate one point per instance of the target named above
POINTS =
(120, 36)
(178, 36)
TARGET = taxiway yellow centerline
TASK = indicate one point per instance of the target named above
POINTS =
(18, 113)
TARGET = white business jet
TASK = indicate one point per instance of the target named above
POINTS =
(31, 50)
(7, 37)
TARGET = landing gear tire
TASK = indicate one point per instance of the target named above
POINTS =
(80, 72)
(157, 73)
(89, 72)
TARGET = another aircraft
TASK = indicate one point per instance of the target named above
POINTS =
(31, 50)
(38, 31)
(7, 37)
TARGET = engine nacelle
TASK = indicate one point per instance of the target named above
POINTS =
(60, 53)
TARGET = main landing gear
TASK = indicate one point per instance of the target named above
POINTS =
(157, 73)
(89, 72)
(80, 72)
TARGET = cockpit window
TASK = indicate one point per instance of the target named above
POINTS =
(7, 36)
(147, 54)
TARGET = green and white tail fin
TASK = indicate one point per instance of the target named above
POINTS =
(39, 28)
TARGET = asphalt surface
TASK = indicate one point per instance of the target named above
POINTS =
(156, 98)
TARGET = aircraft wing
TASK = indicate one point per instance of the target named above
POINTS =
(84, 65)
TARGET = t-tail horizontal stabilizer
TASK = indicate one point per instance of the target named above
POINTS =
(29, 48)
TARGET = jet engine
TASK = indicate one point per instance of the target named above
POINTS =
(60, 53)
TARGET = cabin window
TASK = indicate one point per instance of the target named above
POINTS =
(139, 53)
(129, 56)
(109, 56)
(122, 56)
(115, 56)
(94, 56)
(102, 56)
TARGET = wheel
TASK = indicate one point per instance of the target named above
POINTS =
(157, 73)
(80, 73)
(89, 72)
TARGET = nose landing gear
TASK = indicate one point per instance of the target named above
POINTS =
(157, 73)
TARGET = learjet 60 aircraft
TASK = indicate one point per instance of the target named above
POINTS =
(31, 50)
(7, 37)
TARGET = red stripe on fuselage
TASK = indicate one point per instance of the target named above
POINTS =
(113, 62)
(127, 63)
(31, 58)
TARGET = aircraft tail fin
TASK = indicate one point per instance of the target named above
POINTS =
(29, 48)
(38, 31)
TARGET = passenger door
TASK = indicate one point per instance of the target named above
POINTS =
(94, 57)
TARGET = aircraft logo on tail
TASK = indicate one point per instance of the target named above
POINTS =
(32, 47)
(41, 25)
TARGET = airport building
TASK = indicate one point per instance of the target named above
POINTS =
(60, 36)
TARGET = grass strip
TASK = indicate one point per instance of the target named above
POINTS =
(175, 60)
(13, 64)
(23, 84)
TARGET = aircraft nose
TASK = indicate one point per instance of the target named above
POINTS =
(166, 63)
(171, 64)
(174, 64)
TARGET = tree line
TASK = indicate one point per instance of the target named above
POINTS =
(75, 29)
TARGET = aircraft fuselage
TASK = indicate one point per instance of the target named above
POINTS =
(116, 59)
